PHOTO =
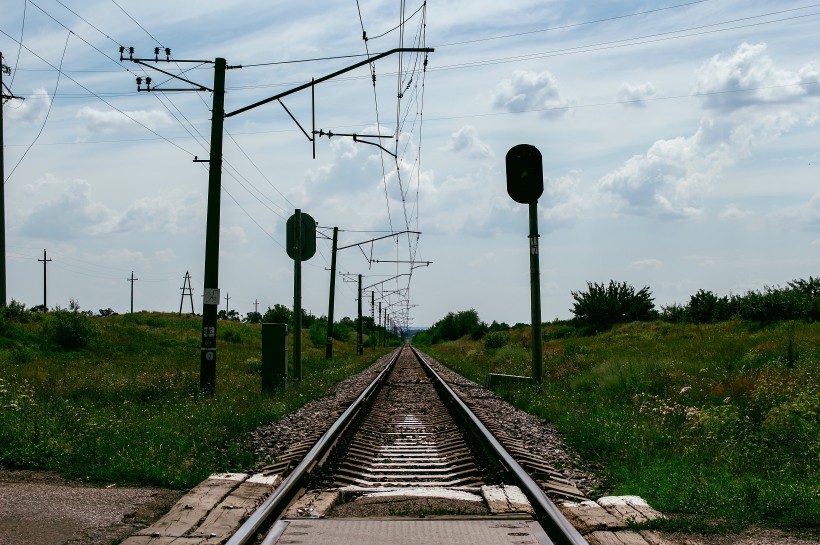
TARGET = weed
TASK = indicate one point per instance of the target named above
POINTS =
(128, 409)
(707, 421)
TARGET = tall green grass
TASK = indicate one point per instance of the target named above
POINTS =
(128, 408)
(719, 423)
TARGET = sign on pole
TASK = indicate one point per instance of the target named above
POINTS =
(303, 246)
(525, 175)
(525, 183)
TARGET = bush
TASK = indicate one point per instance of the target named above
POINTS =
(69, 328)
(454, 326)
(15, 312)
(318, 333)
(279, 314)
(601, 306)
(495, 340)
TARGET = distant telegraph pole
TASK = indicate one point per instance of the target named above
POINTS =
(188, 290)
(132, 280)
(44, 261)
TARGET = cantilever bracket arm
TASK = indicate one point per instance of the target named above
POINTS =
(197, 85)
(330, 76)
(357, 139)
(391, 235)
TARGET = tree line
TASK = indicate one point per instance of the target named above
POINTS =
(602, 306)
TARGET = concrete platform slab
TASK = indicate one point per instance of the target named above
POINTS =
(407, 532)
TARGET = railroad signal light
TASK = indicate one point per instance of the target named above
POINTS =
(525, 174)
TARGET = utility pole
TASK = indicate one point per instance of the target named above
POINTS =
(210, 295)
(188, 290)
(379, 335)
(5, 94)
(330, 305)
(207, 362)
(227, 303)
(132, 280)
(297, 302)
(360, 340)
(256, 306)
(45, 261)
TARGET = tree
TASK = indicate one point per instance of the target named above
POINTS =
(601, 306)
(253, 318)
(279, 314)
(232, 315)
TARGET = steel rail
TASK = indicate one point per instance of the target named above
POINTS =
(558, 527)
(278, 501)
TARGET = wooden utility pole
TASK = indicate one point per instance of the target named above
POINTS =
(45, 261)
(132, 280)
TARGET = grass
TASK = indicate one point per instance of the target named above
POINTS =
(127, 408)
(718, 423)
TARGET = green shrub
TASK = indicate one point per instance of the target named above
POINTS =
(69, 328)
(230, 335)
(496, 339)
(15, 312)
(318, 333)
(601, 306)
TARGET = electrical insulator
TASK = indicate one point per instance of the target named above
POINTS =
(139, 81)
(167, 53)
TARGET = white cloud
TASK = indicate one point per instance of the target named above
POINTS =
(67, 213)
(31, 110)
(733, 212)
(564, 200)
(635, 96)
(750, 68)
(466, 140)
(530, 91)
(165, 255)
(107, 121)
(805, 215)
(170, 212)
(233, 235)
(670, 179)
(646, 264)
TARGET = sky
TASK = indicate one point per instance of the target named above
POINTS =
(679, 142)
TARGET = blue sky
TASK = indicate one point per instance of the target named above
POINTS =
(679, 142)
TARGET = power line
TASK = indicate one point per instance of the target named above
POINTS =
(48, 112)
(572, 25)
(19, 48)
(618, 44)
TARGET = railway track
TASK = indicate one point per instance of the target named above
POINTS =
(409, 447)
(405, 462)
